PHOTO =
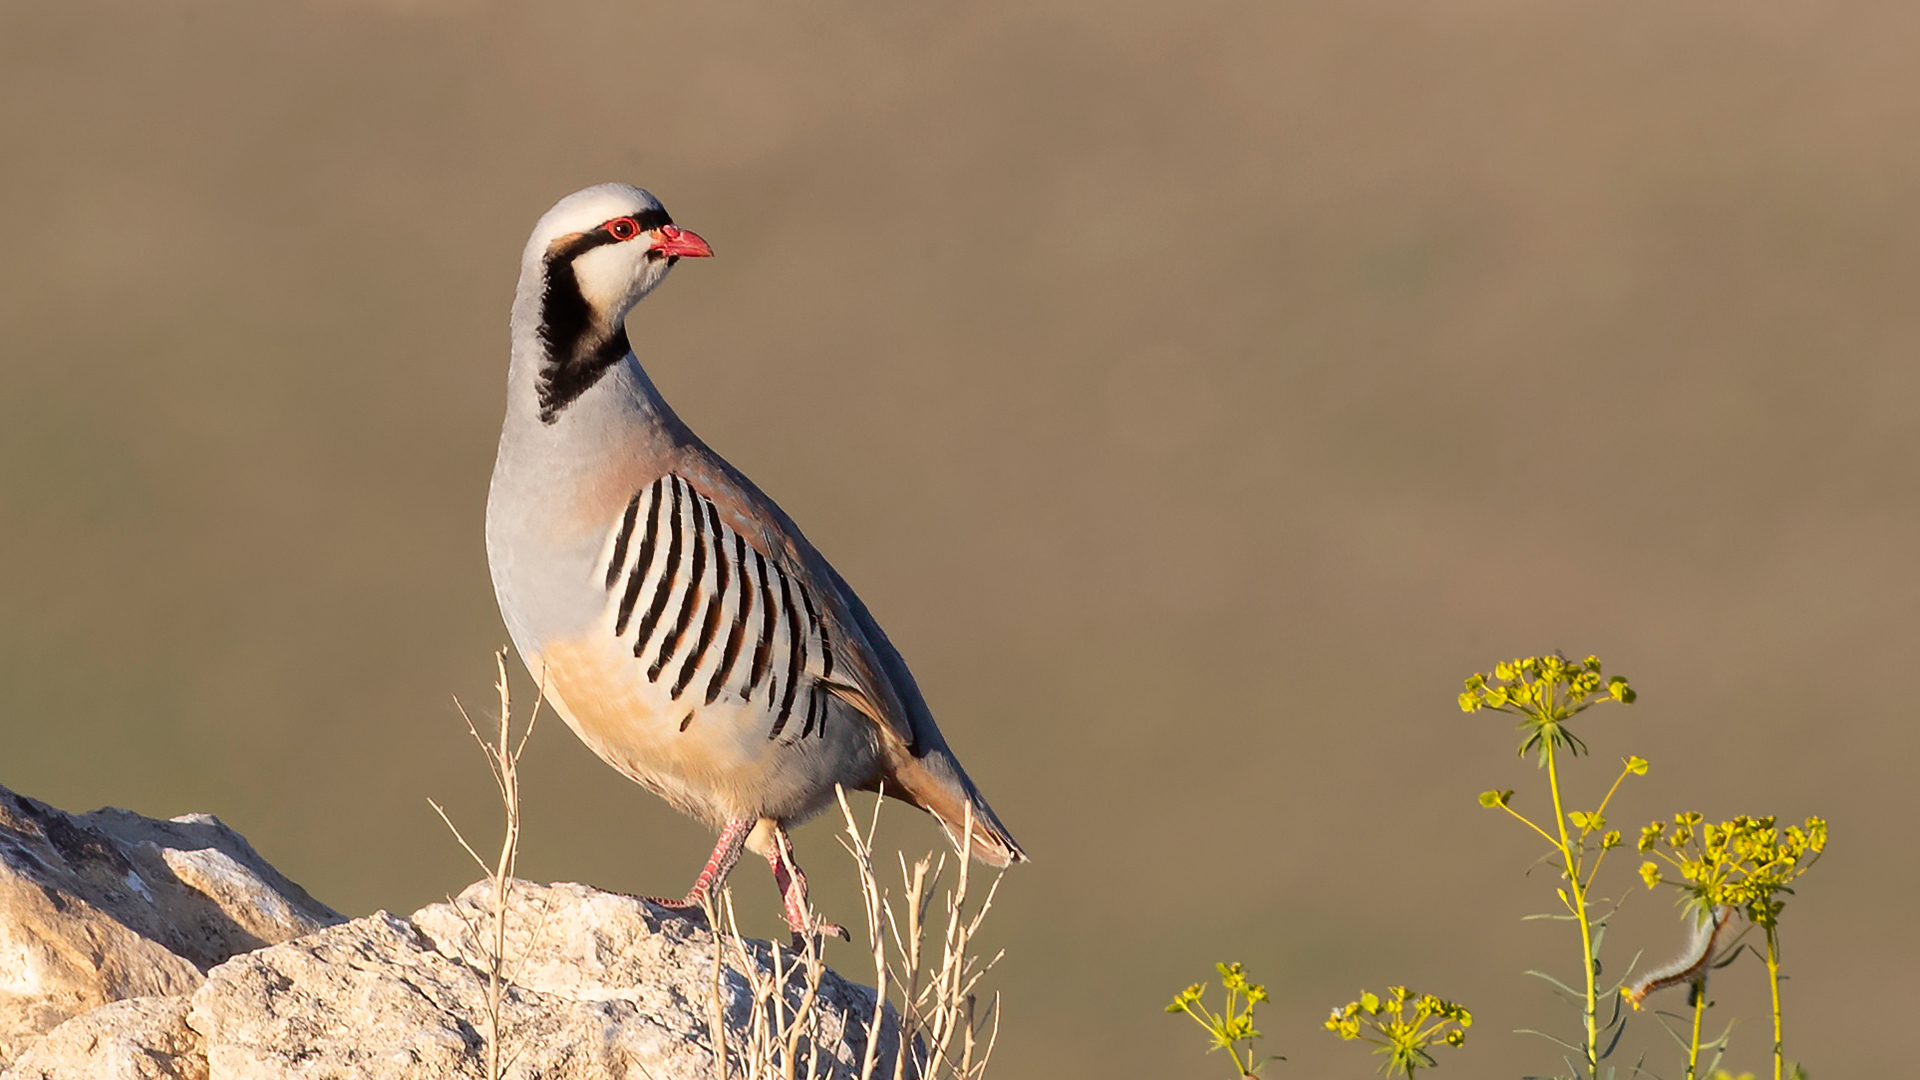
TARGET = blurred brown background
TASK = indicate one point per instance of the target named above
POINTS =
(1197, 393)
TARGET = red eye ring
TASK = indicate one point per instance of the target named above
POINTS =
(623, 228)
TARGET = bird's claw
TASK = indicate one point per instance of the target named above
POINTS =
(822, 929)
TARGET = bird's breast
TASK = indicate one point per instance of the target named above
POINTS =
(716, 760)
(632, 723)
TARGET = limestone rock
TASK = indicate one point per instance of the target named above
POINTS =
(600, 986)
(99, 907)
(144, 1038)
(135, 949)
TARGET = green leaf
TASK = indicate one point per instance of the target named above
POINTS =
(1637, 766)
(1492, 799)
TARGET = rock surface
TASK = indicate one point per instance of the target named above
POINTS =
(144, 1038)
(99, 907)
(153, 950)
(600, 986)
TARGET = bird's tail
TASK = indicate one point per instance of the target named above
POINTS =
(936, 783)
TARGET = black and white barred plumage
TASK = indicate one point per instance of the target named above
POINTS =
(711, 617)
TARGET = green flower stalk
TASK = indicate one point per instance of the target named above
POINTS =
(1233, 1024)
(1546, 693)
(1403, 1039)
(1747, 865)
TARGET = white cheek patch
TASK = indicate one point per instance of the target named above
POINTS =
(615, 276)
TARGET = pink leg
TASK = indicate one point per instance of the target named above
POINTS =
(725, 853)
(793, 889)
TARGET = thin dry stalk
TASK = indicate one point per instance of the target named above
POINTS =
(503, 759)
(771, 1044)
(717, 1016)
(929, 987)
(806, 1017)
(860, 846)
(936, 1002)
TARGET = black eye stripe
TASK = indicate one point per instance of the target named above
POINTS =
(648, 220)
(572, 247)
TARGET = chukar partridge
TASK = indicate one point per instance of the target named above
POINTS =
(672, 614)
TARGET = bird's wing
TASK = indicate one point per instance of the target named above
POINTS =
(711, 609)
(867, 672)
(849, 668)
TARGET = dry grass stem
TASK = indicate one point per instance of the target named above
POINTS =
(717, 1015)
(926, 1001)
(935, 1000)
(503, 760)
(784, 1012)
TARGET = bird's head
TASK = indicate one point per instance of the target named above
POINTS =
(590, 259)
(610, 245)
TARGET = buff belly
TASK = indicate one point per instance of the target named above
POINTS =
(713, 762)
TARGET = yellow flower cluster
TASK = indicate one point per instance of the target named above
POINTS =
(1545, 692)
(1748, 863)
(1402, 1038)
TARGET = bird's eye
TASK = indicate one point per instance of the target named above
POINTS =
(623, 228)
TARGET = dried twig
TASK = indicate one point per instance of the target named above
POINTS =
(925, 991)
(503, 760)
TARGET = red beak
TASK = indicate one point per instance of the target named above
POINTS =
(674, 241)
